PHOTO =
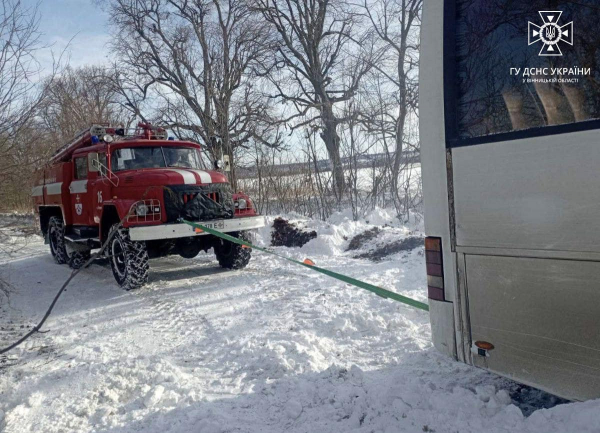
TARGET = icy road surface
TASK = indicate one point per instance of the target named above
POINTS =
(271, 348)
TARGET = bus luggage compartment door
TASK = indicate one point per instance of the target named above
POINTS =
(541, 315)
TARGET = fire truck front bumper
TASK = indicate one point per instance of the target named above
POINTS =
(182, 230)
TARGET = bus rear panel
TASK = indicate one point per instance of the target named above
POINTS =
(510, 144)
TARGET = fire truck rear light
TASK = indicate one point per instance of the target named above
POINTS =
(435, 268)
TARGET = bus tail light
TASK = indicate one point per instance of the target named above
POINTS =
(435, 268)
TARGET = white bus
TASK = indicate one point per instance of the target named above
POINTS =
(510, 143)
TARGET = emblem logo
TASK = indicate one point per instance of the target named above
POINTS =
(550, 33)
(78, 208)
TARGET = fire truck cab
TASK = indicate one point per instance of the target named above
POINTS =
(133, 190)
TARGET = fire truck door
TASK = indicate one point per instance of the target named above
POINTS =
(80, 196)
(100, 185)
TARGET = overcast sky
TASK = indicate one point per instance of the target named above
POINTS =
(79, 21)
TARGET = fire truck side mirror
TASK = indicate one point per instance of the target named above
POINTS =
(226, 163)
(93, 162)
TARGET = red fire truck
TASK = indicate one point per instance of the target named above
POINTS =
(133, 189)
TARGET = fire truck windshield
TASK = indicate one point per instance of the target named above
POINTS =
(135, 158)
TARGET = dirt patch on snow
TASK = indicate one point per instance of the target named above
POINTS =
(358, 241)
(381, 251)
(287, 234)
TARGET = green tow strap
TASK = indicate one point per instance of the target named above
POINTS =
(370, 287)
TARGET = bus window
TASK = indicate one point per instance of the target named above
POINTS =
(491, 37)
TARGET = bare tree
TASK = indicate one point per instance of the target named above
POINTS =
(78, 98)
(194, 58)
(320, 57)
(19, 41)
(395, 85)
(20, 97)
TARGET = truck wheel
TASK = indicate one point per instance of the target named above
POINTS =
(128, 259)
(56, 238)
(230, 255)
(78, 259)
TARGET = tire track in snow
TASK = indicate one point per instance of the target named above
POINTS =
(171, 323)
(173, 319)
(173, 315)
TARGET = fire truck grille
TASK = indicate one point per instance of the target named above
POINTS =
(198, 203)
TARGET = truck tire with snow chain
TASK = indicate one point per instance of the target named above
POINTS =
(128, 259)
(230, 255)
(56, 239)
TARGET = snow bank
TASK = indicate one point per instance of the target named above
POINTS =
(334, 234)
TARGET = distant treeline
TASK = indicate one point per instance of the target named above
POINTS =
(324, 165)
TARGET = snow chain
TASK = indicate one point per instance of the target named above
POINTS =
(308, 264)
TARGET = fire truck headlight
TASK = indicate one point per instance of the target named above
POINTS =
(141, 209)
(241, 203)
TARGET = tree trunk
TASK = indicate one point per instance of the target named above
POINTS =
(332, 142)
(400, 124)
(398, 158)
(228, 150)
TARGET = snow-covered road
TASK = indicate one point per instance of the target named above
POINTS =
(267, 349)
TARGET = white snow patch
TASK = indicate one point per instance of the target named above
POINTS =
(154, 396)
